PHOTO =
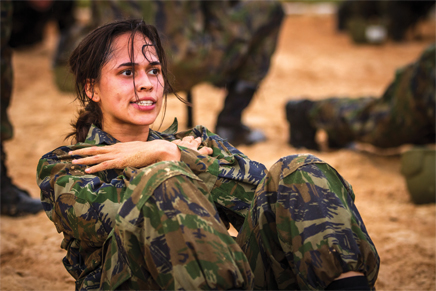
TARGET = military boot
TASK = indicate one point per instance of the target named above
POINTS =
(15, 201)
(229, 124)
(301, 132)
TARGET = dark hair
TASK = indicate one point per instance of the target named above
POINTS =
(93, 53)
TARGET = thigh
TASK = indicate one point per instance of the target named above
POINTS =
(174, 238)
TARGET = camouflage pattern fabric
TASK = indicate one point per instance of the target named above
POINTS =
(6, 68)
(404, 114)
(206, 41)
(93, 209)
(163, 226)
(304, 230)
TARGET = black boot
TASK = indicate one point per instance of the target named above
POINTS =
(302, 133)
(15, 201)
(229, 124)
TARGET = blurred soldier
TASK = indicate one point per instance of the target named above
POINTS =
(226, 43)
(397, 16)
(405, 114)
(14, 201)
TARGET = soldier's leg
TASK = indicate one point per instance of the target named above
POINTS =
(168, 235)
(404, 114)
(229, 123)
(303, 229)
(265, 19)
(341, 118)
(14, 201)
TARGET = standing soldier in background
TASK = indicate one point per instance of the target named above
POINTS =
(14, 201)
(226, 43)
(405, 114)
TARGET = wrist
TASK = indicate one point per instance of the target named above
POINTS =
(170, 152)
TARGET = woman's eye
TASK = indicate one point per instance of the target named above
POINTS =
(154, 71)
(127, 73)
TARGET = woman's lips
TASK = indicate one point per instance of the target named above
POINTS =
(144, 104)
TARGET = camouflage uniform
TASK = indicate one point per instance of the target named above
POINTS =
(404, 114)
(162, 226)
(14, 200)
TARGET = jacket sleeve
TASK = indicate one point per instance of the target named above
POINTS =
(82, 206)
(230, 176)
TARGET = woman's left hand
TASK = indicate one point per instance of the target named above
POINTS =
(193, 143)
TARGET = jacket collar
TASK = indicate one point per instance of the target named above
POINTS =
(96, 136)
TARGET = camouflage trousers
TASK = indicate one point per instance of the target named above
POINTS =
(168, 235)
(302, 232)
(404, 114)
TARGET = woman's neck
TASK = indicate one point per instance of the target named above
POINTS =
(128, 133)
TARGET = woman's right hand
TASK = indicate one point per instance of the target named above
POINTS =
(136, 154)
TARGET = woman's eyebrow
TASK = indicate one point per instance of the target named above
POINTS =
(130, 64)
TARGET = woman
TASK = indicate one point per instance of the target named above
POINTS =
(141, 209)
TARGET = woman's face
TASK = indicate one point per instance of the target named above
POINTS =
(123, 112)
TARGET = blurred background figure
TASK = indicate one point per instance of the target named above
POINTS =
(226, 43)
(29, 20)
(14, 200)
(404, 114)
(392, 19)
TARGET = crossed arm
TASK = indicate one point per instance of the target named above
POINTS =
(136, 154)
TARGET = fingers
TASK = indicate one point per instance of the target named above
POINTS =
(95, 155)
(90, 151)
(188, 138)
(206, 151)
(91, 160)
(99, 164)
(193, 143)
(99, 167)
(189, 142)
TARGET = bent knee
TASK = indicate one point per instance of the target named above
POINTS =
(289, 164)
(157, 173)
(142, 183)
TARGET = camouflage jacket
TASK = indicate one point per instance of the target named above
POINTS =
(86, 217)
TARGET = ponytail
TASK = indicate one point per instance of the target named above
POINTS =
(90, 115)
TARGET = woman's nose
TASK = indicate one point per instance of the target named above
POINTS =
(143, 82)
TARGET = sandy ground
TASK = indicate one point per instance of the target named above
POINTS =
(311, 60)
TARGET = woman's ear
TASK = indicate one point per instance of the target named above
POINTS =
(92, 90)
